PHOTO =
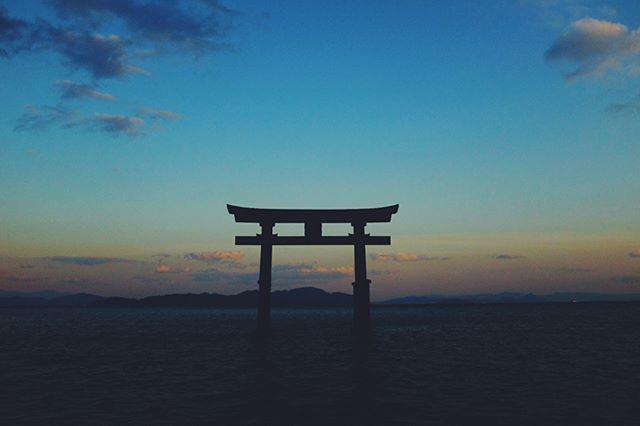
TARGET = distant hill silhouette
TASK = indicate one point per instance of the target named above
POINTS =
(44, 294)
(513, 298)
(80, 299)
(23, 301)
(303, 296)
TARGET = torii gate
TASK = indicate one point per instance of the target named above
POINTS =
(313, 220)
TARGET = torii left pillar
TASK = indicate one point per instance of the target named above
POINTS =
(264, 281)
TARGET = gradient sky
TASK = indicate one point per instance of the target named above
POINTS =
(508, 132)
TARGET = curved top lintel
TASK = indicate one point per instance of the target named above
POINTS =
(257, 215)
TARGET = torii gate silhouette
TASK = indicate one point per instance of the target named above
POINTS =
(313, 220)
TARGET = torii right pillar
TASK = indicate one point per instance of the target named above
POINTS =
(361, 318)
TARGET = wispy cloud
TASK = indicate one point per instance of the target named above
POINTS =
(71, 90)
(12, 33)
(597, 47)
(403, 257)
(158, 114)
(635, 253)
(117, 124)
(209, 275)
(21, 280)
(215, 256)
(575, 270)
(147, 279)
(162, 268)
(63, 117)
(88, 260)
(557, 13)
(508, 256)
(626, 279)
(301, 272)
(46, 117)
(630, 107)
(83, 39)
(287, 273)
(192, 26)
(102, 56)
(160, 256)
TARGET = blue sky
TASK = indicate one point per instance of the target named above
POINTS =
(503, 128)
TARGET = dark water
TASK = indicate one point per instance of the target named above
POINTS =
(491, 364)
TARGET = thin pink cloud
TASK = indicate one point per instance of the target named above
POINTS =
(402, 257)
(215, 256)
(168, 269)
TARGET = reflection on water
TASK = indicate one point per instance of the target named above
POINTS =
(498, 364)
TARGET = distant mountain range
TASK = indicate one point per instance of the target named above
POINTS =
(514, 298)
(44, 294)
(46, 299)
(303, 296)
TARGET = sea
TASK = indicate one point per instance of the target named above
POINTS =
(494, 364)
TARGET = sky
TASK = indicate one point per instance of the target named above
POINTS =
(507, 131)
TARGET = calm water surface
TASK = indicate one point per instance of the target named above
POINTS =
(486, 364)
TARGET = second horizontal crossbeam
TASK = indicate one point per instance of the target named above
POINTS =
(312, 241)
